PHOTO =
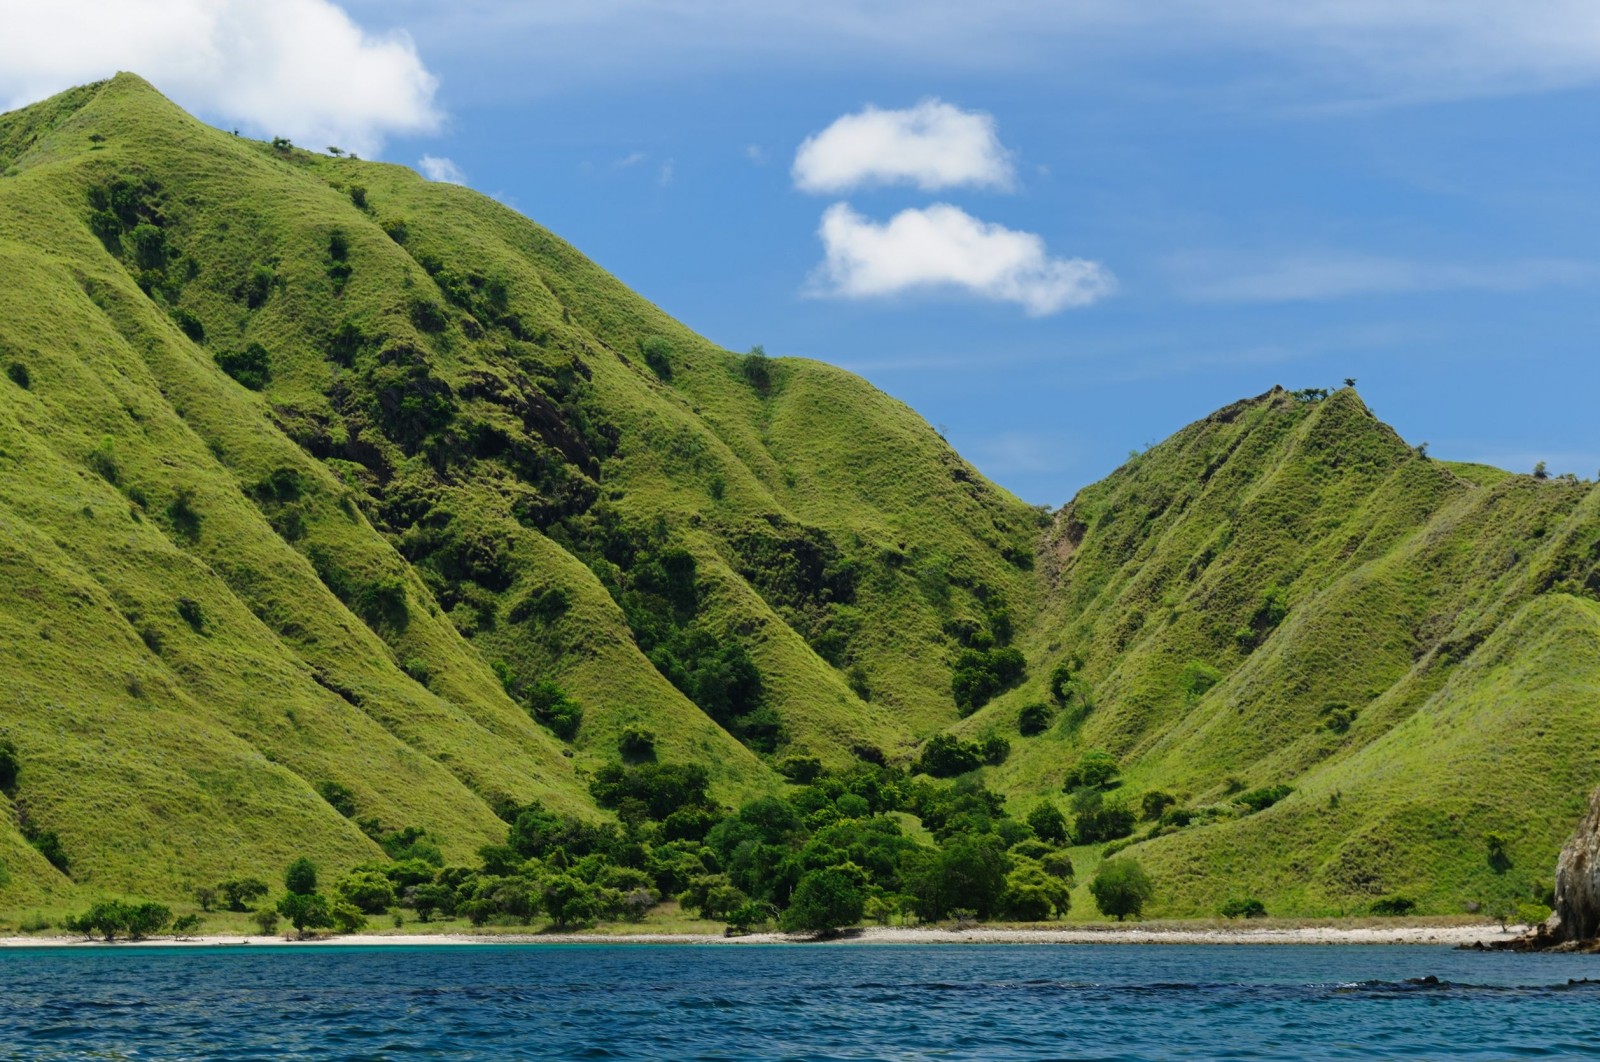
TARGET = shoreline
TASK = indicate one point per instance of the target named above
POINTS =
(1452, 935)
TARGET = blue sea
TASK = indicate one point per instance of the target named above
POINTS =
(812, 1002)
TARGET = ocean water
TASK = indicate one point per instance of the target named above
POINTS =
(811, 1002)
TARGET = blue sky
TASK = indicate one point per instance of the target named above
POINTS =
(1199, 200)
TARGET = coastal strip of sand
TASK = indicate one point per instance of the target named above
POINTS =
(1454, 935)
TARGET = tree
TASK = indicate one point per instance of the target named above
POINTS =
(1121, 888)
(306, 910)
(301, 877)
(369, 891)
(240, 893)
(824, 901)
(1048, 823)
(147, 919)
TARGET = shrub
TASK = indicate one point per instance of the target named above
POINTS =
(1394, 906)
(1261, 799)
(1095, 769)
(102, 461)
(946, 756)
(657, 354)
(1248, 907)
(339, 797)
(995, 749)
(637, 744)
(1121, 888)
(48, 844)
(190, 612)
(755, 369)
(824, 900)
(1155, 803)
(10, 767)
(188, 323)
(802, 770)
(550, 705)
(1337, 717)
(1034, 719)
(250, 367)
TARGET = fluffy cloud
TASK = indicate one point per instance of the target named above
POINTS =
(1337, 275)
(443, 170)
(933, 145)
(944, 247)
(296, 68)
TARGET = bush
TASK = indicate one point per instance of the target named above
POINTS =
(1261, 799)
(1096, 769)
(1155, 803)
(824, 900)
(1249, 907)
(946, 756)
(657, 354)
(250, 367)
(1394, 906)
(190, 612)
(1121, 888)
(10, 768)
(1034, 719)
(550, 705)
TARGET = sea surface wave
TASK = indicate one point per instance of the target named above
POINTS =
(797, 1002)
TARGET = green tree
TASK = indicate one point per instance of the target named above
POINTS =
(369, 891)
(301, 877)
(1121, 888)
(306, 911)
(823, 901)
(1047, 823)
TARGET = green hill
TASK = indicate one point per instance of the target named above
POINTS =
(334, 501)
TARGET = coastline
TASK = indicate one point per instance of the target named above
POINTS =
(1452, 935)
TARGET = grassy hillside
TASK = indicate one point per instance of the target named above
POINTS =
(315, 472)
(334, 502)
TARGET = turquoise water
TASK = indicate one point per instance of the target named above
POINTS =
(796, 1002)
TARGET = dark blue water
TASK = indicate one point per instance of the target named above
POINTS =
(796, 1002)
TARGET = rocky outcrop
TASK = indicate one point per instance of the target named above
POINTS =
(1575, 922)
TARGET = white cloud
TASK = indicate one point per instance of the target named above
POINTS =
(296, 68)
(933, 145)
(945, 247)
(1337, 275)
(443, 170)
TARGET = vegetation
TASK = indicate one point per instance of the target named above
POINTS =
(385, 519)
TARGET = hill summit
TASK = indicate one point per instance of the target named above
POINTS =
(334, 501)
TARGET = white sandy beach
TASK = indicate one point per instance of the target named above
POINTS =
(1170, 933)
